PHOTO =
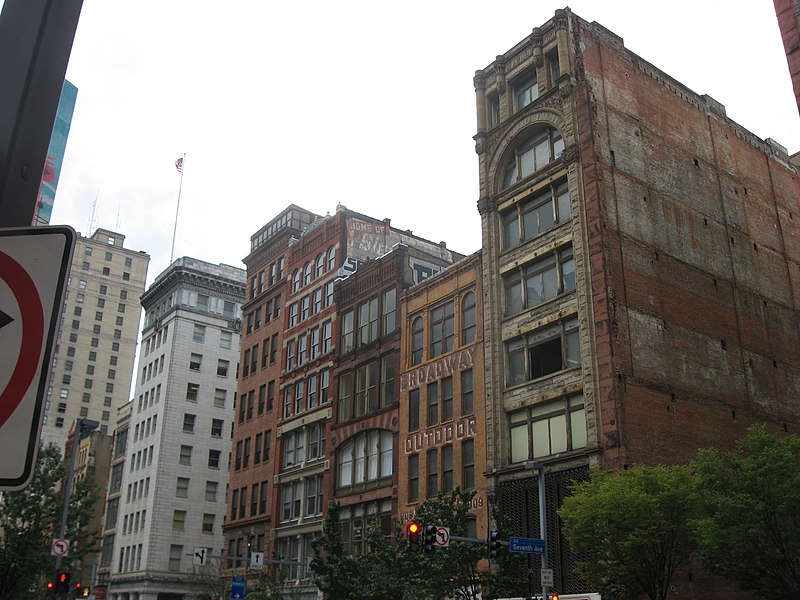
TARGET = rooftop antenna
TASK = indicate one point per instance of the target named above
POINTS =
(119, 208)
(93, 217)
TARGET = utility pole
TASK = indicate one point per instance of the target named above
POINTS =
(83, 429)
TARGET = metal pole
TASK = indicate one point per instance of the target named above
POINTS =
(177, 208)
(76, 441)
(543, 525)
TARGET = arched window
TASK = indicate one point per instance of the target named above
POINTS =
(468, 323)
(307, 269)
(365, 459)
(417, 339)
(320, 264)
(296, 280)
(331, 258)
(538, 150)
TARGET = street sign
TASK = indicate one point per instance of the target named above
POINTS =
(442, 537)
(526, 545)
(34, 265)
(237, 587)
(59, 547)
(547, 577)
(256, 560)
(199, 556)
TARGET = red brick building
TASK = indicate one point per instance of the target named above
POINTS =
(641, 261)
(365, 425)
(281, 479)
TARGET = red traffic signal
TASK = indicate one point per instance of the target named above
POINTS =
(50, 585)
(412, 535)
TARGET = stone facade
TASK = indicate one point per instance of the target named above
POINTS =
(172, 494)
(94, 354)
(640, 269)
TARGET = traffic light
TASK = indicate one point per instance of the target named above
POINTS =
(50, 585)
(430, 538)
(78, 589)
(412, 535)
(494, 544)
(62, 583)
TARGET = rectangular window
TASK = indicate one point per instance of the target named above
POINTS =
(433, 403)
(347, 337)
(466, 392)
(188, 423)
(447, 399)
(316, 441)
(208, 523)
(246, 455)
(225, 340)
(293, 314)
(175, 554)
(447, 469)
(324, 384)
(251, 399)
(222, 367)
(368, 322)
(178, 520)
(540, 281)
(526, 92)
(194, 361)
(305, 304)
(246, 363)
(216, 428)
(213, 459)
(262, 398)
(192, 391)
(264, 352)
(270, 395)
(326, 337)
(254, 500)
(290, 501)
(433, 473)
(344, 410)
(211, 491)
(219, 397)
(413, 409)
(468, 464)
(544, 351)
(185, 457)
(389, 309)
(199, 333)
(541, 213)
(290, 348)
(413, 477)
(366, 386)
(182, 487)
(257, 448)
(267, 442)
(548, 428)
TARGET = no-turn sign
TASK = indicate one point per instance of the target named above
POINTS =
(59, 547)
(34, 265)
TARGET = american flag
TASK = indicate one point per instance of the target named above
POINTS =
(179, 165)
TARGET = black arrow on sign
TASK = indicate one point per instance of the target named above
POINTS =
(4, 319)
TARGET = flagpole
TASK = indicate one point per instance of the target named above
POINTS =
(177, 208)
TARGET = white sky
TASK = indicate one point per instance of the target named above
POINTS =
(365, 103)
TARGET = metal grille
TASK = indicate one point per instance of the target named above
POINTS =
(518, 501)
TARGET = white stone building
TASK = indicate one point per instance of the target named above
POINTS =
(176, 472)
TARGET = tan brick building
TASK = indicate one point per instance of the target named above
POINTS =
(442, 401)
(640, 267)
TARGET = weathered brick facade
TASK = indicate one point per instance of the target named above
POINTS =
(640, 265)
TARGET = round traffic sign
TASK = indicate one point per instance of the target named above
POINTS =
(32, 313)
(59, 547)
(443, 536)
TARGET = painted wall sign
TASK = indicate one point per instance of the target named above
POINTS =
(444, 367)
(437, 436)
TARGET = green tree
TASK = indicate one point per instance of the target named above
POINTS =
(634, 527)
(391, 570)
(750, 526)
(30, 519)
(344, 576)
(451, 572)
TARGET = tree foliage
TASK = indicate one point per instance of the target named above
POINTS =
(390, 569)
(30, 519)
(634, 527)
(749, 530)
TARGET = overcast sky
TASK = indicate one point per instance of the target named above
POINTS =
(369, 104)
